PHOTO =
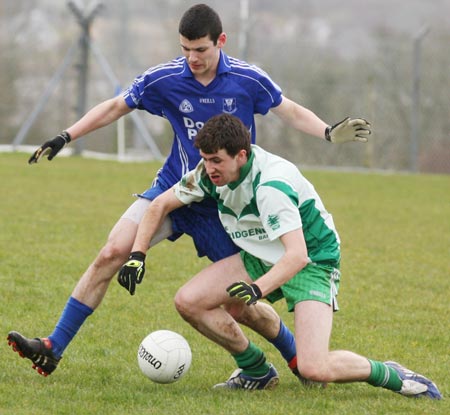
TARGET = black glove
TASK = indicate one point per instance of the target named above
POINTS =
(250, 293)
(132, 272)
(51, 146)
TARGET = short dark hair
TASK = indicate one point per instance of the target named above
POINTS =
(200, 21)
(223, 131)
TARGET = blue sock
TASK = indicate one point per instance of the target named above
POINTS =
(72, 318)
(285, 343)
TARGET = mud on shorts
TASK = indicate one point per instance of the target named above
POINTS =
(315, 282)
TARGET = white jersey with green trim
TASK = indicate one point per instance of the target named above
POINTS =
(270, 198)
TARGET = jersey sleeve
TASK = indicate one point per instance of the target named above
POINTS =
(278, 208)
(144, 92)
(189, 189)
(269, 93)
(259, 88)
(133, 94)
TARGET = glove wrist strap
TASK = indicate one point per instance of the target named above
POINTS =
(327, 133)
(140, 256)
(66, 137)
(257, 290)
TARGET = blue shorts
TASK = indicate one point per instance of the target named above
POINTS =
(201, 222)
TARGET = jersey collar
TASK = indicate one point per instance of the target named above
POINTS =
(224, 63)
(243, 173)
(223, 67)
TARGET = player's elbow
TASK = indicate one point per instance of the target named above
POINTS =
(166, 203)
(161, 206)
(158, 207)
(297, 261)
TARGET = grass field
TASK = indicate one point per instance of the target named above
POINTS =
(395, 232)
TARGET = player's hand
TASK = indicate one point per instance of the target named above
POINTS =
(349, 129)
(132, 272)
(51, 146)
(250, 293)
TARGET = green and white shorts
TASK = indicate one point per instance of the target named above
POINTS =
(315, 282)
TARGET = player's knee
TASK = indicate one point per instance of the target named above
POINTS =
(112, 253)
(237, 311)
(185, 304)
(314, 371)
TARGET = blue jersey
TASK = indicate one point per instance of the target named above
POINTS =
(171, 91)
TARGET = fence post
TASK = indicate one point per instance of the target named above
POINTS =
(415, 108)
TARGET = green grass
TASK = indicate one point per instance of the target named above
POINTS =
(395, 232)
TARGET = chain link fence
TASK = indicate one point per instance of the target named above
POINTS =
(400, 84)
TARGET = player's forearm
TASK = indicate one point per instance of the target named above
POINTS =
(280, 273)
(99, 116)
(153, 219)
(150, 223)
(294, 259)
(300, 118)
(308, 122)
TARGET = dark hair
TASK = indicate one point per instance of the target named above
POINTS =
(200, 21)
(223, 131)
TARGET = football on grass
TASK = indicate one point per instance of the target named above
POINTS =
(164, 356)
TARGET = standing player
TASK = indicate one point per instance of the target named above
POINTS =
(289, 249)
(187, 91)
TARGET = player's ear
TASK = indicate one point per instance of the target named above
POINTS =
(242, 156)
(221, 40)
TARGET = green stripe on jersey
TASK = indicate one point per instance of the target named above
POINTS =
(285, 188)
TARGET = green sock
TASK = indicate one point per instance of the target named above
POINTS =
(384, 376)
(252, 361)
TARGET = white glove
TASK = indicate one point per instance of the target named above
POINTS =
(349, 129)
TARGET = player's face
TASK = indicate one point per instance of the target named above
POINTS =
(222, 168)
(202, 55)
